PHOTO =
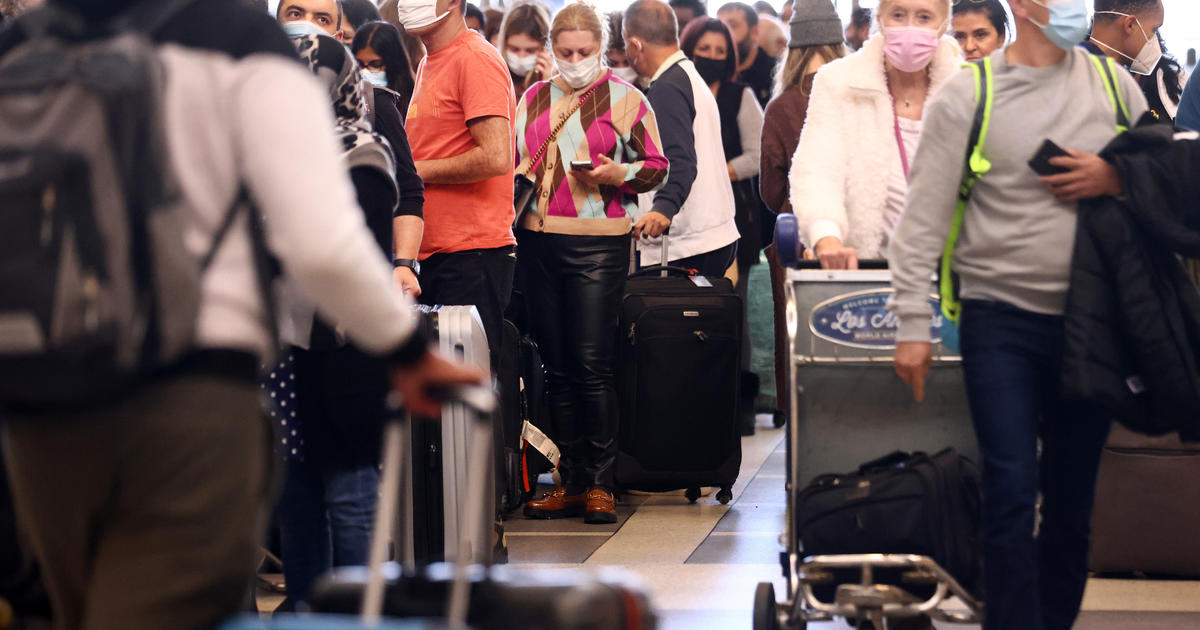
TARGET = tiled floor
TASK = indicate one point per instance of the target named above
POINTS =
(701, 563)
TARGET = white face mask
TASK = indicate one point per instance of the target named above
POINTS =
(628, 75)
(418, 14)
(1148, 57)
(298, 29)
(520, 66)
(378, 78)
(580, 73)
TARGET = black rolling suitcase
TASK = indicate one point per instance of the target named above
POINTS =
(680, 338)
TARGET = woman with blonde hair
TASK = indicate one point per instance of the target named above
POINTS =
(590, 143)
(524, 36)
(849, 176)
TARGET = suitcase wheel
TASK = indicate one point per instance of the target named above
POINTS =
(692, 494)
(778, 419)
(787, 240)
(766, 614)
(725, 495)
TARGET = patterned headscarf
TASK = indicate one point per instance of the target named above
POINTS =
(338, 70)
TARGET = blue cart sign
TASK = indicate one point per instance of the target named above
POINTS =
(861, 320)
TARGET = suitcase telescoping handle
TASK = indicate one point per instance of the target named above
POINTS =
(481, 404)
(665, 269)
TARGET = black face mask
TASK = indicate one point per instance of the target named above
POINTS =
(743, 48)
(711, 70)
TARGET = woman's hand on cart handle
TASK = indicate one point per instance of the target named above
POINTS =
(912, 362)
(834, 255)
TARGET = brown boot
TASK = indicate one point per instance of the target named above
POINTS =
(601, 507)
(556, 504)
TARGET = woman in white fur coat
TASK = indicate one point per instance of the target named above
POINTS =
(849, 174)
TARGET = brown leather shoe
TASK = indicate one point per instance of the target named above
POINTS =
(556, 504)
(601, 507)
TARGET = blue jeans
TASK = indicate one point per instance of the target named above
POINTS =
(1012, 364)
(325, 520)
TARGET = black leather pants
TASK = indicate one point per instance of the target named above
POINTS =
(573, 286)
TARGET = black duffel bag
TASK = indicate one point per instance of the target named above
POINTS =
(901, 503)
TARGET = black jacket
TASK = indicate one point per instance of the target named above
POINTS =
(1133, 313)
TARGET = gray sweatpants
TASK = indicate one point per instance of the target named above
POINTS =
(144, 514)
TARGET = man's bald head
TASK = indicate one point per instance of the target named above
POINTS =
(653, 22)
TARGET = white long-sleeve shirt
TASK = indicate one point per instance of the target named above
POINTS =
(263, 121)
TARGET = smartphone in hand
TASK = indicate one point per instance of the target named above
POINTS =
(582, 165)
(1040, 162)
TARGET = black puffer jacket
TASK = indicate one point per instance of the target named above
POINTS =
(1133, 313)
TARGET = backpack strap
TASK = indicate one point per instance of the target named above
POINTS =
(975, 166)
(1108, 75)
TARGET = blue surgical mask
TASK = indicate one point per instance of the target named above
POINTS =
(378, 78)
(299, 29)
(1068, 25)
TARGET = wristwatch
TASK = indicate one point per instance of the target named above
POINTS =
(408, 262)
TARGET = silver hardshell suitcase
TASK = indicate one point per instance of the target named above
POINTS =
(432, 529)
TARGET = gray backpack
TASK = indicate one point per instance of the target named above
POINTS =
(97, 290)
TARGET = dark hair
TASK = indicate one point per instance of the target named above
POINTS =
(747, 10)
(336, 3)
(359, 12)
(385, 40)
(1121, 6)
(696, 29)
(762, 6)
(696, 6)
(473, 11)
(652, 22)
(990, 8)
(492, 21)
(616, 39)
(860, 17)
(1172, 72)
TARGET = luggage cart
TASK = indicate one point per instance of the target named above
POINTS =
(848, 407)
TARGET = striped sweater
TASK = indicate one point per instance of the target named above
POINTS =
(616, 121)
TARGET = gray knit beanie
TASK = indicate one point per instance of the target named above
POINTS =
(815, 22)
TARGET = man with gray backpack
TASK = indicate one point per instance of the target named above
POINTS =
(134, 303)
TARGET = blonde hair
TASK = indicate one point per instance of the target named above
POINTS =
(582, 16)
(803, 60)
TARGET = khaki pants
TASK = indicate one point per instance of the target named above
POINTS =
(144, 513)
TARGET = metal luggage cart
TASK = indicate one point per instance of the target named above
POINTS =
(849, 407)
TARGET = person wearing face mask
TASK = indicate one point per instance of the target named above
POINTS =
(696, 202)
(1128, 31)
(310, 17)
(615, 56)
(849, 174)
(709, 44)
(756, 66)
(575, 246)
(383, 62)
(1013, 262)
(334, 394)
(524, 35)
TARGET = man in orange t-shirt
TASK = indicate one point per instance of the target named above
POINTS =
(460, 129)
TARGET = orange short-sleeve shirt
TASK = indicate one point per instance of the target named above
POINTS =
(464, 81)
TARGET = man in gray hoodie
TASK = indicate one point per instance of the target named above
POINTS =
(1013, 259)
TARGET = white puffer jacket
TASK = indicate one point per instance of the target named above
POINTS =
(848, 152)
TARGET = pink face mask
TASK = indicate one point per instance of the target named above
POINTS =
(910, 48)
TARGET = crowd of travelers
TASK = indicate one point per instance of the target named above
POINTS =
(662, 133)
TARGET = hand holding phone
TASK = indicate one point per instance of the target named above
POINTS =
(1040, 162)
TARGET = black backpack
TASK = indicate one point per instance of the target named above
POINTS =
(97, 289)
